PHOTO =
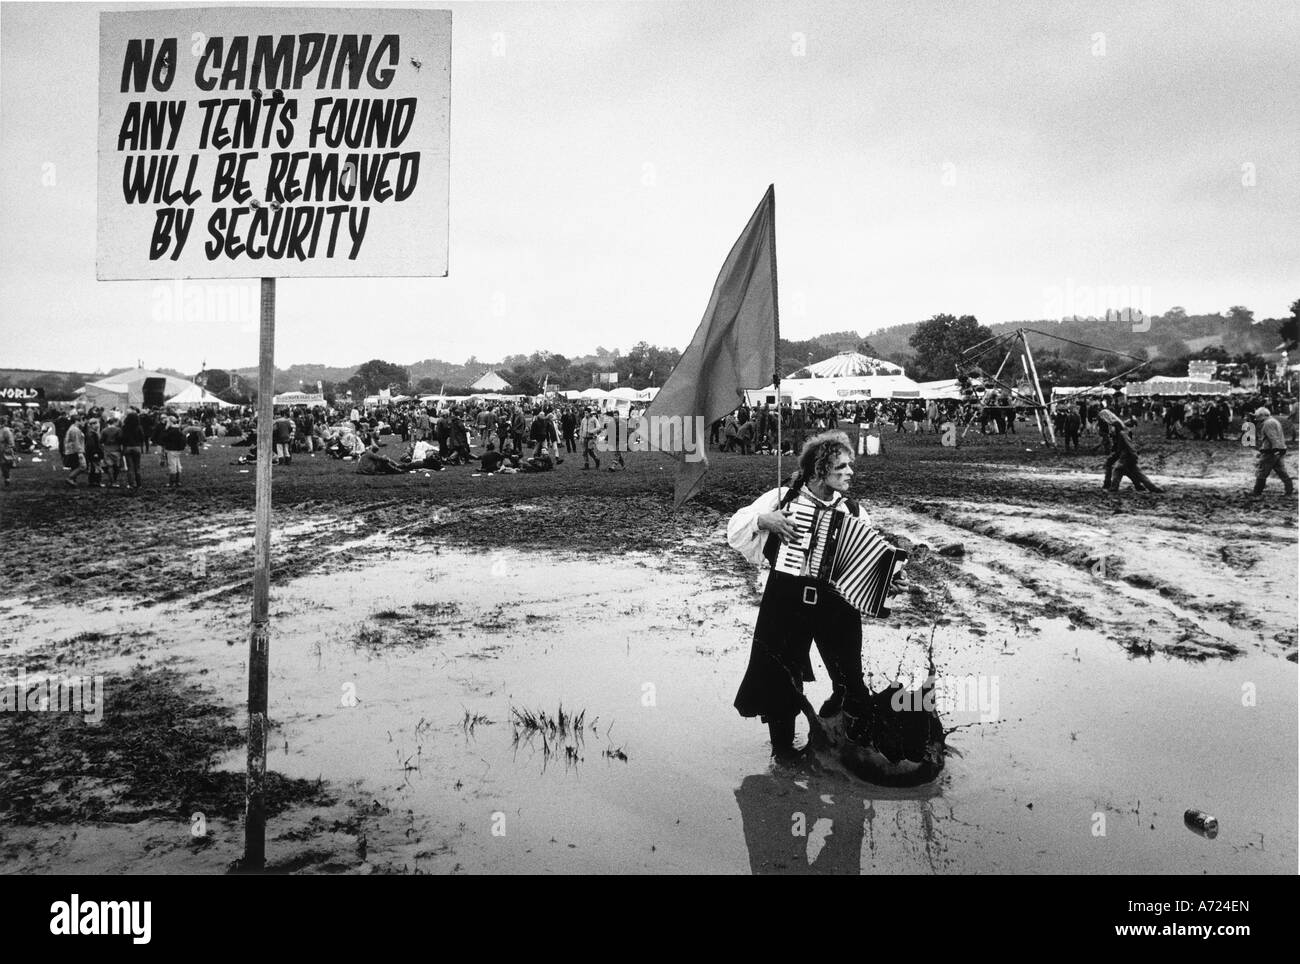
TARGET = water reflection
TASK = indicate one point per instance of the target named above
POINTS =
(829, 823)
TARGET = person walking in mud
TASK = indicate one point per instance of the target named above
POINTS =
(133, 439)
(1109, 423)
(1126, 463)
(616, 435)
(7, 446)
(74, 450)
(590, 431)
(1271, 441)
(1070, 426)
(798, 610)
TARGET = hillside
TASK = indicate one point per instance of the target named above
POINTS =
(1169, 336)
(1161, 338)
(287, 379)
(1165, 336)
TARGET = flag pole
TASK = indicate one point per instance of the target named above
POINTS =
(776, 334)
(777, 381)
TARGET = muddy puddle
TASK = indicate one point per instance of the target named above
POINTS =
(405, 682)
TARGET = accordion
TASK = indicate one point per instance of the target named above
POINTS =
(835, 548)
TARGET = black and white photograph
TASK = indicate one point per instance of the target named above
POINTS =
(700, 438)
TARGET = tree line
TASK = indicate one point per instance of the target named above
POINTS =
(927, 350)
(1166, 342)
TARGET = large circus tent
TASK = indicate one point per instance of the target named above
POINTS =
(849, 364)
(847, 377)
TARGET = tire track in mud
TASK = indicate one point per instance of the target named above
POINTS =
(1022, 576)
(1076, 555)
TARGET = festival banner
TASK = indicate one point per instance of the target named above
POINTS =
(22, 393)
(242, 142)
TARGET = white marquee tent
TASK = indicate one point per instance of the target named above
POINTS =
(194, 397)
(946, 388)
(126, 388)
(598, 397)
(623, 394)
(490, 381)
(853, 388)
(1165, 385)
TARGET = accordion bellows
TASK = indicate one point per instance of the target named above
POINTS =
(844, 552)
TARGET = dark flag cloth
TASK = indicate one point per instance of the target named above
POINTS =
(735, 346)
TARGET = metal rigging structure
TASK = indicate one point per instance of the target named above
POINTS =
(1016, 342)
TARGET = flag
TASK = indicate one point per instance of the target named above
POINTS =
(735, 346)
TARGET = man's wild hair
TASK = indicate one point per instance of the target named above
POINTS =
(819, 453)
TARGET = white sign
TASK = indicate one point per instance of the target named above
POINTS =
(246, 142)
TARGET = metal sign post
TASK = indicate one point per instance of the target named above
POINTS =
(259, 637)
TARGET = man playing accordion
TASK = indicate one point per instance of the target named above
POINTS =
(799, 609)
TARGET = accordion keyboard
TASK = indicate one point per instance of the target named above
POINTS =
(792, 557)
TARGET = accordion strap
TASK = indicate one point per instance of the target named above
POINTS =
(773, 544)
(791, 492)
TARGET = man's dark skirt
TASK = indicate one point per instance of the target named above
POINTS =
(793, 614)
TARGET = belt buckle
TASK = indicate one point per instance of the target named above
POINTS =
(810, 595)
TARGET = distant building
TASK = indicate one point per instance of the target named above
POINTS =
(490, 381)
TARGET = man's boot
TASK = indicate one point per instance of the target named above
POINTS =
(858, 721)
(780, 731)
(833, 704)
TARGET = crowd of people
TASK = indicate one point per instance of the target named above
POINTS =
(510, 437)
(1209, 419)
(106, 447)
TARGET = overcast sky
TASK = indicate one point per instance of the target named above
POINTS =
(999, 159)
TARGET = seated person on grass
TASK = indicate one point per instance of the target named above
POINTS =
(372, 463)
(424, 455)
(540, 463)
(491, 461)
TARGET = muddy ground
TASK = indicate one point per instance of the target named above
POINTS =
(429, 629)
